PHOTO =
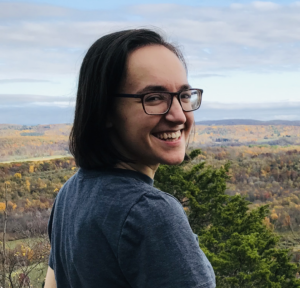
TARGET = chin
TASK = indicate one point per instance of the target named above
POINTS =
(172, 160)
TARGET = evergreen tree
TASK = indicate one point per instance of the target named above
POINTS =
(242, 250)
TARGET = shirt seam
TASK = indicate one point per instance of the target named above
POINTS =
(125, 218)
(156, 191)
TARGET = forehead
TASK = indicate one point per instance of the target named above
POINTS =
(154, 65)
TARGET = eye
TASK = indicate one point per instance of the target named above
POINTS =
(155, 97)
(185, 96)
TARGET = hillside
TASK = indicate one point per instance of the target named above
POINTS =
(262, 174)
(239, 135)
(248, 122)
(19, 142)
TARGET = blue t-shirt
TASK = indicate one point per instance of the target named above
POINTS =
(111, 228)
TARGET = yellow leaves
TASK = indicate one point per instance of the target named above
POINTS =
(55, 190)
(18, 175)
(11, 205)
(27, 184)
(73, 168)
(263, 173)
(2, 206)
(28, 203)
(274, 216)
(25, 251)
(268, 224)
(36, 204)
(31, 168)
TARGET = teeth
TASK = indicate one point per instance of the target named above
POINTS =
(173, 135)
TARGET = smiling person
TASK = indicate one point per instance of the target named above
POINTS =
(109, 227)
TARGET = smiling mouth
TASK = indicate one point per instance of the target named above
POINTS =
(168, 136)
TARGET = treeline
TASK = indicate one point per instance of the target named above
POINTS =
(263, 174)
(238, 135)
(32, 188)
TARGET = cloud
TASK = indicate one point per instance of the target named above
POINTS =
(20, 100)
(36, 115)
(203, 75)
(47, 39)
(265, 6)
(258, 106)
(259, 111)
(42, 41)
(24, 80)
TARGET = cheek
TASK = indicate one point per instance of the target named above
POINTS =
(134, 124)
(189, 121)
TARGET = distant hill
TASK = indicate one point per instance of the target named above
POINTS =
(249, 122)
(21, 142)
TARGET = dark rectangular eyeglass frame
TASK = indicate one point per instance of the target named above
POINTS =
(141, 96)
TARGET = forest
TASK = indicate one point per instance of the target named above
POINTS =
(258, 172)
(18, 143)
(263, 174)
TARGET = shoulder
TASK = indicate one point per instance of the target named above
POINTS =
(155, 208)
(158, 201)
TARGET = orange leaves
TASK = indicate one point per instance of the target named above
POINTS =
(274, 216)
(287, 220)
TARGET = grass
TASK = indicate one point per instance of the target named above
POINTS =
(38, 272)
(42, 158)
(12, 244)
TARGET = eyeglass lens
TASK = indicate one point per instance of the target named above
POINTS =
(159, 102)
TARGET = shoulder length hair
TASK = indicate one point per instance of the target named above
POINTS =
(100, 77)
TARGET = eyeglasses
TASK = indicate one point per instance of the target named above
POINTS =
(159, 103)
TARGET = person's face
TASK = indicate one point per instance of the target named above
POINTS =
(138, 135)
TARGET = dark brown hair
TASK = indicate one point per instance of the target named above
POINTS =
(100, 76)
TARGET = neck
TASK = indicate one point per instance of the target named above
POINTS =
(147, 170)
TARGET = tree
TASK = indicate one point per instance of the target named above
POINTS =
(28, 257)
(242, 250)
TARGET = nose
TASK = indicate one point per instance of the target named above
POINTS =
(176, 114)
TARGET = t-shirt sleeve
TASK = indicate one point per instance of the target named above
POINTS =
(50, 222)
(157, 247)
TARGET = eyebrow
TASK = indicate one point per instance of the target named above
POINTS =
(159, 88)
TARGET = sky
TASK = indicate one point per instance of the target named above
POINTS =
(245, 55)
